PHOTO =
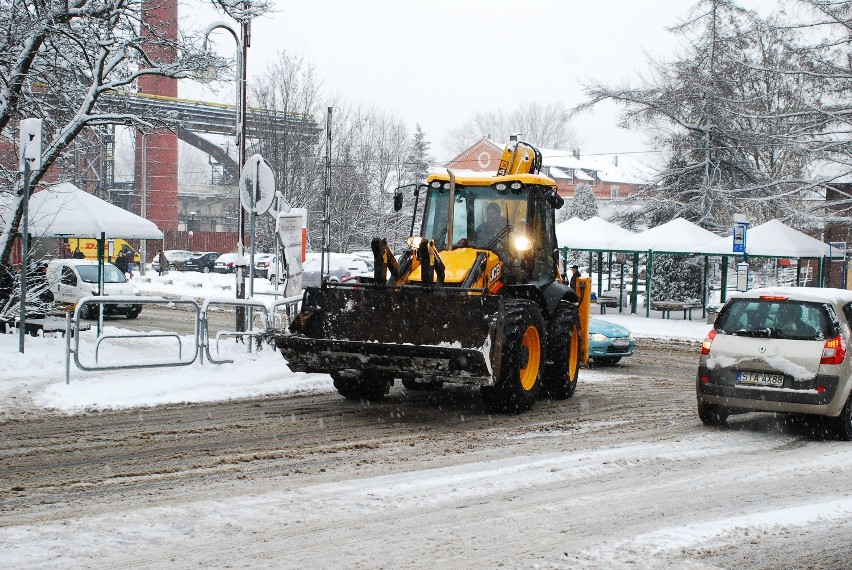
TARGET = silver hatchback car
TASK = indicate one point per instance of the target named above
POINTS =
(780, 349)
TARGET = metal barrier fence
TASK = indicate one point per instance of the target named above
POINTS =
(201, 334)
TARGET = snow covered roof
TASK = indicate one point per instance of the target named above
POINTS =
(677, 236)
(594, 233)
(64, 210)
(556, 172)
(772, 239)
(628, 170)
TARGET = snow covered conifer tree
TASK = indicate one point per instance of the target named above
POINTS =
(676, 278)
(584, 205)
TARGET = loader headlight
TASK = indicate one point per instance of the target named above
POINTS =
(522, 243)
(414, 242)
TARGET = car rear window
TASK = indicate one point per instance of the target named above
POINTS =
(778, 318)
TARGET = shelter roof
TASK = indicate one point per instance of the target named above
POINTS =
(64, 210)
(676, 236)
(772, 239)
(592, 234)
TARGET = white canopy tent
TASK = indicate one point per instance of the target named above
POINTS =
(589, 235)
(64, 210)
(677, 236)
(568, 231)
(772, 239)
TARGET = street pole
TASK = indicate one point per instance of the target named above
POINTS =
(143, 210)
(30, 145)
(325, 256)
(25, 249)
(242, 38)
(243, 44)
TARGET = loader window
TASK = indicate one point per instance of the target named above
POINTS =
(471, 215)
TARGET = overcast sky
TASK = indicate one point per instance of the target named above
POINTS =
(438, 62)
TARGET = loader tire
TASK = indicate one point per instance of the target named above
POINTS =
(369, 388)
(518, 386)
(559, 378)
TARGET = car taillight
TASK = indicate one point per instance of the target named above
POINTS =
(705, 346)
(834, 351)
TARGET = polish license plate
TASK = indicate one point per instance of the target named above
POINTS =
(760, 379)
(620, 342)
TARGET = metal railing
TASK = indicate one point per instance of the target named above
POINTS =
(201, 335)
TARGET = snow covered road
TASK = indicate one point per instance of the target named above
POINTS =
(621, 476)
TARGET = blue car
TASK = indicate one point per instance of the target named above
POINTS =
(608, 342)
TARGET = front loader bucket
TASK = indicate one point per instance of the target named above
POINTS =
(419, 333)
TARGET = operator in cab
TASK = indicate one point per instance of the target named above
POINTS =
(494, 223)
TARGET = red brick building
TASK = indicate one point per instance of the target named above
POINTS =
(568, 169)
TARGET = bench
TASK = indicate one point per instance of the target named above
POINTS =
(666, 308)
(46, 325)
(604, 302)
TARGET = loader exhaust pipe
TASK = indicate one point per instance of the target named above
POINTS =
(452, 210)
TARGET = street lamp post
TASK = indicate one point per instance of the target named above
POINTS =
(30, 145)
(242, 40)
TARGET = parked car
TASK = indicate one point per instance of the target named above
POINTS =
(780, 349)
(72, 279)
(204, 261)
(264, 265)
(340, 265)
(177, 259)
(225, 263)
(609, 342)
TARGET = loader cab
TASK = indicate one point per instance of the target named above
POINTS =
(527, 238)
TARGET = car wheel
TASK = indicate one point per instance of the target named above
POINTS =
(843, 428)
(206, 270)
(519, 383)
(88, 312)
(134, 311)
(712, 414)
(172, 267)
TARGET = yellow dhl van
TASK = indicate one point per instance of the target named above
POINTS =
(89, 247)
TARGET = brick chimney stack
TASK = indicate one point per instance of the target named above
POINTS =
(159, 20)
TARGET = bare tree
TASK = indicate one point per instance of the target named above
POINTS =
(824, 61)
(735, 128)
(68, 62)
(543, 124)
(369, 154)
(290, 86)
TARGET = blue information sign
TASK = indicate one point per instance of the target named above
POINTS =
(740, 237)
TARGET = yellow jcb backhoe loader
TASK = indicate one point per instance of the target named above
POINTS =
(477, 298)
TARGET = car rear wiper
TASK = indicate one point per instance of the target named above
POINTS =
(759, 333)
